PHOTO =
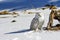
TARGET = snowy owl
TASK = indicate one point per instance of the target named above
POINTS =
(37, 22)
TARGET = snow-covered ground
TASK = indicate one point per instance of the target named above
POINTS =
(23, 22)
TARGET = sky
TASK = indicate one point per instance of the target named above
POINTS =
(21, 4)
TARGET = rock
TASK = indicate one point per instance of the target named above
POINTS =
(45, 28)
(13, 20)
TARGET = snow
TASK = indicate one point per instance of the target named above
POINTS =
(23, 22)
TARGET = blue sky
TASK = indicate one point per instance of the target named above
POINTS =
(21, 4)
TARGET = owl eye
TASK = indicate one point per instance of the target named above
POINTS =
(40, 15)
